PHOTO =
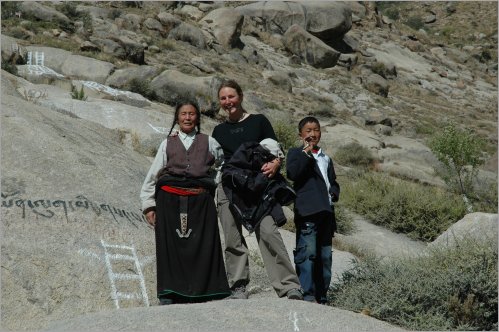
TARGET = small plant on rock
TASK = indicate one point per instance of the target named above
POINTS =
(75, 94)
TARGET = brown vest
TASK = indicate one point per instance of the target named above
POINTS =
(194, 162)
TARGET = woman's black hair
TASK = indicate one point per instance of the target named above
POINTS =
(181, 103)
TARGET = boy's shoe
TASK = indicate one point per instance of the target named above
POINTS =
(239, 293)
(294, 294)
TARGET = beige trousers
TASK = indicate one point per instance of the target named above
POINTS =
(275, 257)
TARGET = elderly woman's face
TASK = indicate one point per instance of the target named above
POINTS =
(187, 118)
(229, 100)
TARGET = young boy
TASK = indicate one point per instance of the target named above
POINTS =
(316, 189)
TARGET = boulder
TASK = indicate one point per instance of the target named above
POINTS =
(100, 13)
(376, 84)
(189, 12)
(476, 226)
(168, 20)
(10, 47)
(132, 22)
(104, 30)
(327, 20)
(81, 67)
(43, 13)
(188, 33)
(110, 47)
(121, 78)
(225, 25)
(53, 58)
(38, 74)
(153, 24)
(279, 79)
(408, 158)
(171, 85)
(336, 136)
(309, 48)
(134, 51)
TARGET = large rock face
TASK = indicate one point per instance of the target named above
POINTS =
(327, 20)
(225, 24)
(172, 85)
(476, 226)
(68, 186)
(71, 217)
(310, 49)
(81, 67)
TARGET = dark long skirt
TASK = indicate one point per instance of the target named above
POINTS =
(189, 269)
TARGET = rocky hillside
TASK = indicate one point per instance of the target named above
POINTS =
(410, 66)
(88, 90)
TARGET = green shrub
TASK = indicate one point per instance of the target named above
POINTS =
(448, 31)
(114, 13)
(460, 152)
(68, 45)
(9, 9)
(344, 220)
(322, 112)
(421, 212)
(392, 13)
(39, 26)
(415, 22)
(448, 289)
(142, 87)
(68, 8)
(19, 33)
(287, 136)
(354, 154)
(424, 129)
(484, 198)
(286, 133)
(168, 45)
(9, 67)
(380, 69)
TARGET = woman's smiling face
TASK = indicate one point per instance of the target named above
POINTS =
(230, 101)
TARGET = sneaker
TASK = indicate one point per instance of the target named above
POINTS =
(295, 294)
(239, 293)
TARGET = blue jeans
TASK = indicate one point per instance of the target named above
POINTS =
(313, 255)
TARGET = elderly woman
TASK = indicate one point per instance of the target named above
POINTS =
(177, 200)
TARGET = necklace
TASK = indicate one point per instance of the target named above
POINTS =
(241, 118)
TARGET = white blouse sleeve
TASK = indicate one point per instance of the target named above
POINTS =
(149, 185)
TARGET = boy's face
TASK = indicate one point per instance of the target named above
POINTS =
(311, 133)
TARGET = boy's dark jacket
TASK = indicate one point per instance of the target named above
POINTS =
(311, 190)
(251, 194)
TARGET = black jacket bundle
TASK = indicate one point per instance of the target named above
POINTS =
(251, 194)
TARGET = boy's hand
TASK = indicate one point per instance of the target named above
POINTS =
(307, 147)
